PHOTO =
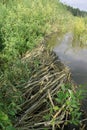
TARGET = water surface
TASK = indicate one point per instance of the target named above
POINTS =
(73, 56)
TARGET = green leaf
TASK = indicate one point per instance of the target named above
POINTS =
(3, 116)
(10, 128)
(47, 117)
(56, 108)
(58, 100)
(12, 113)
(63, 87)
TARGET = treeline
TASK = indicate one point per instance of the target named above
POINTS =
(76, 11)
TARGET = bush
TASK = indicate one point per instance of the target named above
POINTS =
(23, 24)
(79, 28)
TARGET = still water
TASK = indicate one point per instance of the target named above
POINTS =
(73, 56)
(81, 4)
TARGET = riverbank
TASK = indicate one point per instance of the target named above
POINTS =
(49, 96)
(41, 93)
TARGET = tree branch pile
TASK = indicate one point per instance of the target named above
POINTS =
(40, 110)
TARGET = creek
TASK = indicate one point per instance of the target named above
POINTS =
(73, 55)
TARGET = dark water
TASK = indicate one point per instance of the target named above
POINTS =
(74, 56)
(81, 4)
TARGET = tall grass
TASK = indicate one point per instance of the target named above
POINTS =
(80, 31)
(79, 28)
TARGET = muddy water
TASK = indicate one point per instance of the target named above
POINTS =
(74, 56)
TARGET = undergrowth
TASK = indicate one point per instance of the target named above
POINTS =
(23, 24)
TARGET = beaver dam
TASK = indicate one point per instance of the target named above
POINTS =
(50, 100)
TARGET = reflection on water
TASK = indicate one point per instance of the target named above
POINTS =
(73, 56)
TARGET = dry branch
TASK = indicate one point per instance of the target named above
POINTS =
(40, 90)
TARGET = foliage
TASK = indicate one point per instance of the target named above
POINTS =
(11, 88)
(5, 122)
(76, 11)
(66, 102)
(79, 28)
(24, 23)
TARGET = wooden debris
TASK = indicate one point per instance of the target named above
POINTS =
(40, 90)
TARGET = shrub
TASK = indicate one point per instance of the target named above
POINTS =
(79, 28)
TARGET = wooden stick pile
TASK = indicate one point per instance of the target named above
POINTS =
(39, 92)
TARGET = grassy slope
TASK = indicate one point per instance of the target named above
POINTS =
(23, 25)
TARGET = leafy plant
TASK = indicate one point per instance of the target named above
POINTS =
(4, 120)
(79, 28)
(66, 107)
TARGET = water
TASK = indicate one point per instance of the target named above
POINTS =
(81, 4)
(73, 56)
